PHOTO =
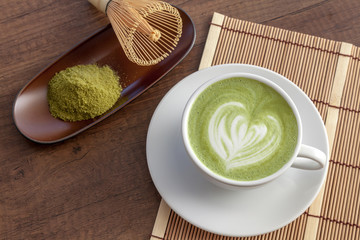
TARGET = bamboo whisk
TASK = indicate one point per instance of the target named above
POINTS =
(148, 30)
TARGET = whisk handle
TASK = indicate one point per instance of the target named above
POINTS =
(100, 4)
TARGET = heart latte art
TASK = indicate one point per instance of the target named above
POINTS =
(239, 142)
(242, 129)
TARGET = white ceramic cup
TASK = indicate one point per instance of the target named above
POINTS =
(315, 159)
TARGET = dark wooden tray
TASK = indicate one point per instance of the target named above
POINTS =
(31, 112)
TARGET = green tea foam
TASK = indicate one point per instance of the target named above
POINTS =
(242, 129)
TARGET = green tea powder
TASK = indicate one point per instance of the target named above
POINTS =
(83, 92)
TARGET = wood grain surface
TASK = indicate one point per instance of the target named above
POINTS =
(97, 185)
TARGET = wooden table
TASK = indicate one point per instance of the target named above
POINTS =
(97, 185)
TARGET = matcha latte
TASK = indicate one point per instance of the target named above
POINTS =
(242, 129)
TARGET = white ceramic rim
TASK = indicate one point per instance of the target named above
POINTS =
(219, 178)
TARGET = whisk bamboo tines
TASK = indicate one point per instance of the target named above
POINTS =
(148, 30)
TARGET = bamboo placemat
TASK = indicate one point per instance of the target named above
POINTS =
(328, 72)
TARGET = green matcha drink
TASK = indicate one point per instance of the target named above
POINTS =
(242, 129)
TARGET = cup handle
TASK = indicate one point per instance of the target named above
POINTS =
(310, 153)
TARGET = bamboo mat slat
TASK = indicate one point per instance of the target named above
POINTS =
(328, 72)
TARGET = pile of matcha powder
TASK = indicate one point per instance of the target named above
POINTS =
(83, 92)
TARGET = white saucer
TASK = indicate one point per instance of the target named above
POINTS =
(245, 212)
